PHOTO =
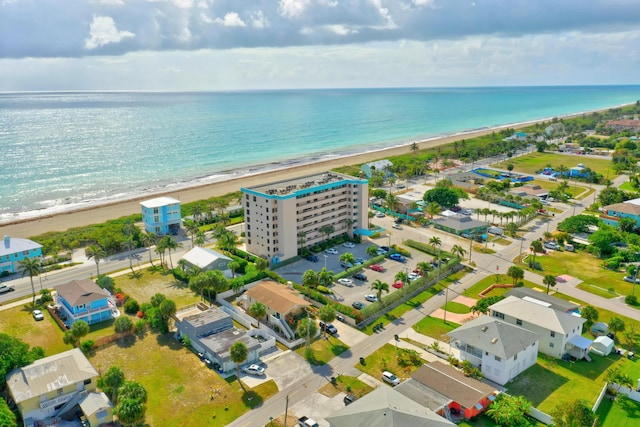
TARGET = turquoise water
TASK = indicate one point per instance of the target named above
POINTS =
(62, 150)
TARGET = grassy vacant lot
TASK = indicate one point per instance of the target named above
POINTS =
(182, 391)
(456, 307)
(151, 281)
(550, 381)
(474, 291)
(346, 384)
(385, 359)
(414, 302)
(622, 412)
(323, 350)
(530, 163)
(590, 271)
(434, 328)
(19, 322)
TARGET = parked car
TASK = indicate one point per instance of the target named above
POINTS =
(388, 377)
(346, 282)
(345, 264)
(360, 276)
(359, 261)
(37, 314)
(371, 298)
(397, 226)
(455, 208)
(495, 230)
(631, 279)
(312, 258)
(357, 305)
(467, 212)
(380, 215)
(348, 399)
(349, 245)
(397, 257)
(307, 422)
(398, 284)
(385, 248)
(377, 267)
(413, 276)
(331, 251)
(398, 221)
(6, 288)
(551, 245)
(331, 330)
(254, 369)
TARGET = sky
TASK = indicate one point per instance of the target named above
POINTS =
(224, 45)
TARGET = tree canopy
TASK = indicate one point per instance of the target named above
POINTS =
(509, 411)
(578, 223)
(575, 413)
(15, 353)
(444, 197)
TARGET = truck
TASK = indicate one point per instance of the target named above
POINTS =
(7, 288)
(307, 422)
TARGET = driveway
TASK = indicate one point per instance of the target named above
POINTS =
(287, 368)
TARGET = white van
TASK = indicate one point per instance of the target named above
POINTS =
(495, 230)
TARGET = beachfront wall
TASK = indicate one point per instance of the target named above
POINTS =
(14, 250)
(282, 217)
(161, 215)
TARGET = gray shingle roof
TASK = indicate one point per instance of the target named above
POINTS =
(84, 291)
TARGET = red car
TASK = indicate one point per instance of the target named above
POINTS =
(398, 284)
(376, 267)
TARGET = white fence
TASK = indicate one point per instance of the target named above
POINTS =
(543, 417)
(600, 397)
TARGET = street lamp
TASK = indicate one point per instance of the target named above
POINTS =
(520, 254)
(325, 261)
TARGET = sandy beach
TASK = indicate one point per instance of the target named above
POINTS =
(99, 214)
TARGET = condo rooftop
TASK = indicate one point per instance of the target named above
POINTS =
(291, 186)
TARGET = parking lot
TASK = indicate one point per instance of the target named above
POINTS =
(348, 295)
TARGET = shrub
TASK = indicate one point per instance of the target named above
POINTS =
(106, 282)
(131, 306)
(535, 265)
(123, 324)
(408, 358)
(520, 284)
(324, 290)
(87, 346)
(631, 299)
(140, 326)
(180, 275)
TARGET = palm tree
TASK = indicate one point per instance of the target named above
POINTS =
(433, 209)
(32, 267)
(549, 280)
(436, 242)
(238, 353)
(327, 314)
(311, 280)
(258, 310)
(227, 240)
(98, 254)
(402, 276)
(512, 229)
(536, 247)
(170, 244)
(302, 239)
(616, 325)
(327, 230)
(192, 229)
(391, 201)
(233, 266)
(423, 267)
(149, 239)
(325, 277)
(372, 251)
(590, 313)
(129, 244)
(516, 273)
(348, 259)
(458, 251)
(379, 286)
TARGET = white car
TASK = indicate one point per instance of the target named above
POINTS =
(346, 282)
(37, 314)
(254, 369)
(397, 226)
(380, 215)
(349, 245)
(332, 251)
(388, 377)
(413, 276)
(371, 298)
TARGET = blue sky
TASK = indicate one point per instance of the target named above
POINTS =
(272, 44)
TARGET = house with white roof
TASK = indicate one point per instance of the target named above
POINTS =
(55, 387)
(385, 166)
(560, 332)
(208, 259)
(501, 350)
(161, 215)
(15, 249)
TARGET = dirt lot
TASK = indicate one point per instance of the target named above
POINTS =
(151, 281)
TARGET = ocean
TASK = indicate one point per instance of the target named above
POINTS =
(63, 150)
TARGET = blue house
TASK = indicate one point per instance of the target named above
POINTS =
(84, 300)
(161, 215)
(13, 250)
(612, 214)
(385, 166)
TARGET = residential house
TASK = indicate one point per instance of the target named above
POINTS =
(447, 391)
(283, 304)
(208, 259)
(386, 407)
(547, 300)
(499, 349)
(555, 328)
(84, 300)
(54, 387)
(161, 215)
(611, 214)
(554, 129)
(385, 166)
(517, 136)
(530, 190)
(632, 125)
(461, 225)
(15, 249)
(283, 217)
(212, 333)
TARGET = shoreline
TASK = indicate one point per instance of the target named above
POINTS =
(94, 214)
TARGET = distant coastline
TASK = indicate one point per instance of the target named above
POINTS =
(226, 182)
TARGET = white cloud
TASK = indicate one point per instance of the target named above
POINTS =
(340, 30)
(258, 20)
(231, 19)
(293, 8)
(103, 31)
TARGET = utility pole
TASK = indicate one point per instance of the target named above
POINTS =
(446, 298)
(286, 410)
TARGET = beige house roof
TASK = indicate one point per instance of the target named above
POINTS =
(626, 208)
(83, 291)
(536, 314)
(50, 374)
(276, 296)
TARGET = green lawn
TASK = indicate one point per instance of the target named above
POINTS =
(474, 291)
(18, 322)
(181, 390)
(323, 350)
(530, 163)
(550, 381)
(622, 412)
(434, 328)
(456, 307)
(626, 186)
(396, 313)
(346, 384)
(386, 359)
